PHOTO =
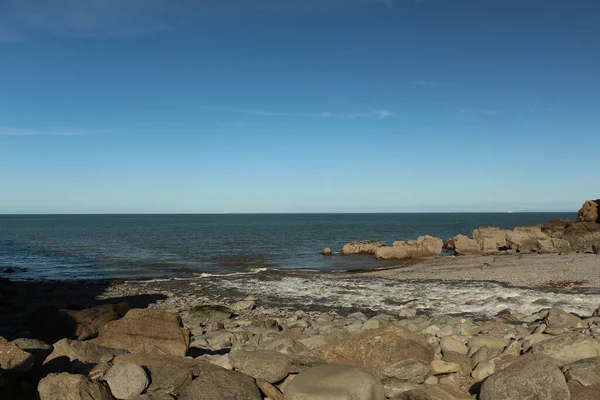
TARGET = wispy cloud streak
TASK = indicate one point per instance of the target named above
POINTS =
(373, 114)
(40, 132)
(423, 83)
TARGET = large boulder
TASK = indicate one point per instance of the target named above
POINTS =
(527, 239)
(40, 350)
(334, 382)
(13, 359)
(66, 386)
(89, 321)
(361, 247)
(377, 349)
(221, 385)
(490, 239)
(170, 380)
(568, 348)
(590, 212)
(533, 377)
(270, 366)
(195, 366)
(146, 331)
(465, 246)
(424, 246)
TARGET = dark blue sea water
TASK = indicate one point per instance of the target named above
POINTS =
(146, 246)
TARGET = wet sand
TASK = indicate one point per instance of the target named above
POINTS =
(521, 270)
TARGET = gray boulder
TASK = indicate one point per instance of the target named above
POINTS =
(221, 385)
(171, 380)
(209, 313)
(126, 380)
(534, 377)
(334, 382)
(66, 386)
(583, 372)
(568, 348)
(270, 366)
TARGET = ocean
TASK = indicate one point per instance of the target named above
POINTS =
(73, 247)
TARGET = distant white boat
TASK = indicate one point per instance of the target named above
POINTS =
(509, 212)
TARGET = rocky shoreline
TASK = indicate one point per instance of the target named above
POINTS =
(553, 237)
(188, 344)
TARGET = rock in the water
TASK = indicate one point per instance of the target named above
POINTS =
(583, 372)
(326, 251)
(126, 380)
(334, 382)
(490, 239)
(66, 386)
(377, 349)
(568, 348)
(146, 331)
(362, 247)
(465, 246)
(589, 212)
(270, 366)
(221, 385)
(424, 246)
(13, 359)
(534, 377)
(195, 366)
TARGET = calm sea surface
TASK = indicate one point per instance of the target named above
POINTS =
(148, 246)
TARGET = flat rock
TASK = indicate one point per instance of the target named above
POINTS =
(126, 380)
(269, 366)
(568, 348)
(89, 321)
(335, 382)
(82, 351)
(146, 331)
(171, 380)
(412, 371)
(377, 349)
(534, 377)
(221, 385)
(439, 367)
(448, 343)
(209, 313)
(66, 386)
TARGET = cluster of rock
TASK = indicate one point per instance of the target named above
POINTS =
(556, 236)
(214, 352)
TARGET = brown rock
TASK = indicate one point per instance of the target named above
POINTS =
(376, 349)
(91, 320)
(270, 366)
(195, 366)
(528, 239)
(424, 246)
(146, 331)
(465, 246)
(66, 386)
(361, 247)
(584, 392)
(590, 212)
(84, 352)
(13, 359)
(490, 239)
(221, 385)
(326, 251)
(269, 390)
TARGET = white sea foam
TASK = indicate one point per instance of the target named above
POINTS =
(477, 298)
(251, 271)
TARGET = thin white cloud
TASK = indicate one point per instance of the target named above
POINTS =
(423, 83)
(372, 114)
(39, 132)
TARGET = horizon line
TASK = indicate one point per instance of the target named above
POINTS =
(292, 213)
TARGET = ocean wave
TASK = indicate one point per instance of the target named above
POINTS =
(251, 271)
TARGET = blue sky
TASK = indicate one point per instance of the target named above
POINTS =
(298, 106)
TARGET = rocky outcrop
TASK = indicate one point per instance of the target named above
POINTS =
(221, 384)
(465, 246)
(589, 212)
(490, 239)
(527, 239)
(146, 331)
(361, 247)
(424, 246)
